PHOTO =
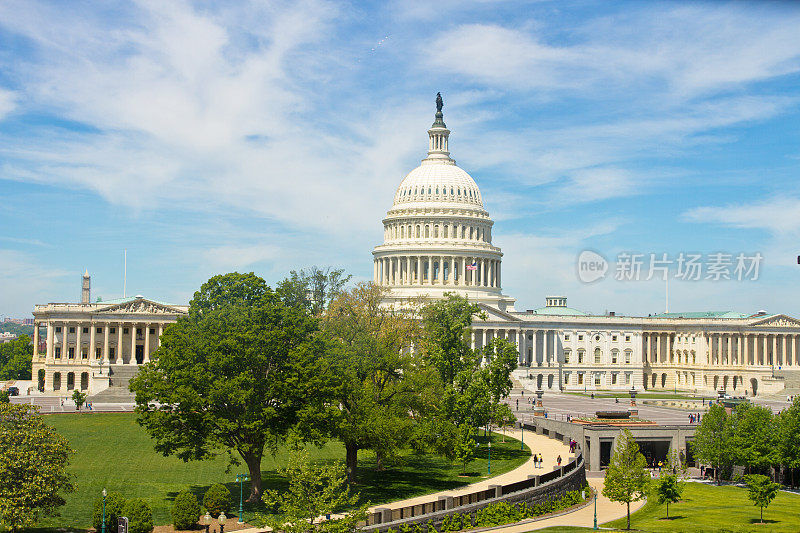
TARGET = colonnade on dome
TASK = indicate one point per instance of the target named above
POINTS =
(442, 270)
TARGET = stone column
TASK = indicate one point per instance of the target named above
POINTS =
(147, 343)
(51, 335)
(160, 331)
(118, 355)
(92, 341)
(430, 269)
(64, 341)
(520, 346)
(792, 349)
(105, 343)
(408, 270)
(35, 339)
(440, 277)
(658, 347)
(774, 349)
(472, 338)
(132, 331)
(730, 351)
(78, 347)
(491, 273)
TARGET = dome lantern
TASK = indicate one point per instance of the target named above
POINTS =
(438, 137)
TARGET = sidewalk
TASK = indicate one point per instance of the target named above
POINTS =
(549, 448)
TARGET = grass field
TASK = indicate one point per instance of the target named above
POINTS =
(112, 451)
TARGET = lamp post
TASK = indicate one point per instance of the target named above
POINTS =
(104, 511)
(595, 510)
(490, 458)
(207, 521)
(522, 440)
(221, 519)
(241, 478)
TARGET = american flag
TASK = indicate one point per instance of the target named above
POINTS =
(472, 266)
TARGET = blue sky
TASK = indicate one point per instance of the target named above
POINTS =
(206, 137)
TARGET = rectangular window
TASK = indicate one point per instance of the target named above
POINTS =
(566, 337)
(138, 331)
(580, 379)
(86, 330)
(152, 332)
(566, 378)
(124, 331)
(627, 338)
(613, 379)
(71, 352)
(597, 358)
(72, 330)
(84, 354)
(627, 379)
(98, 353)
(627, 358)
(113, 330)
(566, 356)
(57, 352)
(111, 353)
(580, 356)
(614, 358)
(58, 329)
(580, 337)
(597, 379)
(614, 338)
(98, 330)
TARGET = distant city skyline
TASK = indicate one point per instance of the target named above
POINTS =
(206, 138)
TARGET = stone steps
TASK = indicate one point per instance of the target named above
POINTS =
(117, 392)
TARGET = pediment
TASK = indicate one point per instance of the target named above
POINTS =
(141, 306)
(494, 314)
(780, 321)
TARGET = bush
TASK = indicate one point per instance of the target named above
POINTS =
(115, 503)
(185, 510)
(140, 516)
(217, 500)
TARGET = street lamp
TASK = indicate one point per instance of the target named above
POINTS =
(104, 511)
(490, 458)
(207, 520)
(221, 519)
(595, 510)
(241, 478)
(522, 440)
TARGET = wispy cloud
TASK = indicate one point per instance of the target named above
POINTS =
(780, 216)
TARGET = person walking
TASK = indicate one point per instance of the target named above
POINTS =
(541, 461)
(535, 461)
(558, 460)
(660, 464)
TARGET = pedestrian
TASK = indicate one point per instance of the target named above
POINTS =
(558, 460)
(690, 419)
(517, 404)
(592, 396)
(535, 461)
(540, 461)
(523, 393)
(660, 464)
(702, 471)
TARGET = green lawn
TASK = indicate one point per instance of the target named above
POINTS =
(112, 451)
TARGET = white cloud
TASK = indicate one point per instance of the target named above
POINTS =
(24, 279)
(7, 102)
(780, 216)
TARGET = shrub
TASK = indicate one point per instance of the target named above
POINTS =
(140, 516)
(115, 503)
(185, 510)
(217, 500)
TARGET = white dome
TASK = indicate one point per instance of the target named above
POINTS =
(438, 182)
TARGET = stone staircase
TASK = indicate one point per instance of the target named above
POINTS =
(118, 391)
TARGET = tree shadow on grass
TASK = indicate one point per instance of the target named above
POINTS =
(757, 521)
(671, 518)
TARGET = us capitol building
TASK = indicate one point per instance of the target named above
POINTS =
(438, 239)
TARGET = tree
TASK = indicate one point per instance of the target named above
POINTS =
(79, 398)
(668, 489)
(446, 341)
(788, 447)
(314, 491)
(33, 467)
(15, 359)
(713, 439)
(236, 375)
(315, 288)
(754, 437)
(369, 364)
(465, 446)
(761, 491)
(503, 417)
(627, 478)
(4, 396)
(140, 516)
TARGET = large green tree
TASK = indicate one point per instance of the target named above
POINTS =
(236, 375)
(627, 478)
(754, 438)
(315, 287)
(15, 358)
(369, 361)
(788, 447)
(446, 340)
(713, 440)
(33, 467)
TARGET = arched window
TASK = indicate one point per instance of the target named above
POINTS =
(471, 233)
(567, 353)
(437, 190)
(402, 232)
(418, 229)
(436, 231)
(463, 231)
(445, 231)
(627, 357)
(427, 231)
(581, 354)
(451, 191)
(429, 190)
(597, 355)
(57, 381)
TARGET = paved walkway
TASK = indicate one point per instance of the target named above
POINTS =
(549, 448)
(584, 517)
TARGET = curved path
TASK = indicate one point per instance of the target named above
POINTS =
(549, 448)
